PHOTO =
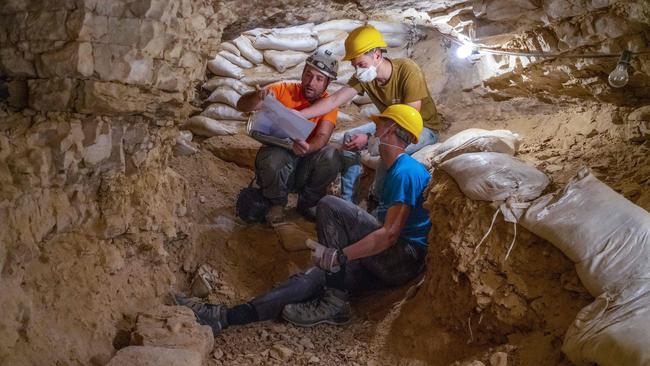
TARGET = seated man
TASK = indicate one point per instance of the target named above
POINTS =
(358, 251)
(386, 82)
(311, 165)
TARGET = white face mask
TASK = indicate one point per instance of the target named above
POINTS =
(367, 74)
(373, 144)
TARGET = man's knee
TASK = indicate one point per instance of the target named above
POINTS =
(328, 159)
(272, 158)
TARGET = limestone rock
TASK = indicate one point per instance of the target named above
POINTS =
(173, 327)
(155, 356)
(73, 60)
(499, 359)
(238, 149)
(52, 94)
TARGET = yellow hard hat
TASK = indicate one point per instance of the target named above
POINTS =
(362, 40)
(404, 115)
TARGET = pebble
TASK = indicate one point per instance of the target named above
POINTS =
(313, 359)
(202, 199)
(499, 359)
(281, 352)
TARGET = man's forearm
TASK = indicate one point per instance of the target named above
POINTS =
(372, 244)
(319, 108)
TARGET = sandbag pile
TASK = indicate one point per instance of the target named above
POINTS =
(262, 56)
(608, 239)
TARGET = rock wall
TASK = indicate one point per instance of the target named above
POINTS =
(108, 58)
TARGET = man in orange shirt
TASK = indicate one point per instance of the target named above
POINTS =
(311, 165)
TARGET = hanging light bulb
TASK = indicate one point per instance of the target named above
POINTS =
(465, 50)
(619, 77)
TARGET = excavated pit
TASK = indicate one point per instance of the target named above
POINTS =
(101, 216)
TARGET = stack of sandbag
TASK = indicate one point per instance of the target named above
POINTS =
(608, 239)
(262, 56)
(469, 140)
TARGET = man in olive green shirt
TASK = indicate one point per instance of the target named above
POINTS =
(386, 82)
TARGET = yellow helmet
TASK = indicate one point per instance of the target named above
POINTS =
(362, 40)
(404, 115)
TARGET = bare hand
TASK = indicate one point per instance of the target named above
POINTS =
(357, 142)
(300, 147)
(262, 92)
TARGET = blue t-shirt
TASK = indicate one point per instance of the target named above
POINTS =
(405, 183)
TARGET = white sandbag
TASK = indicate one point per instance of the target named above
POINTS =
(283, 42)
(398, 52)
(237, 85)
(396, 39)
(263, 75)
(604, 234)
(222, 67)
(389, 27)
(342, 117)
(346, 25)
(226, 95)
(495, 177)
(185, 135)
(361, 99)
(303, 29)
(336, 47)
(184, 148)
(283, 60)
(230, 47)
(510, 138)
(208, 127)
(330, 35)
(369, 110)
(236, 60)
(426, 154)
(222, 111)
(247, 50)
(475, 144)
(614, 330)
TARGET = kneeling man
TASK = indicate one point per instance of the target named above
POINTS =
(311, 165)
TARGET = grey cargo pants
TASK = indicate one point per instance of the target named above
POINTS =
(280, 172)
(340, 223)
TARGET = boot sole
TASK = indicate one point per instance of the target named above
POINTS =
(325, 321)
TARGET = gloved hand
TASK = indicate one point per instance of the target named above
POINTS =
(323, 256)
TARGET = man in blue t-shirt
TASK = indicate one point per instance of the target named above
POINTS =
(356, 250)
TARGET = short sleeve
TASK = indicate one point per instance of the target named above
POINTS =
(355, 84)
(331, 116)
(414, 86)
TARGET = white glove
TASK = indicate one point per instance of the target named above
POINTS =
(324, 257)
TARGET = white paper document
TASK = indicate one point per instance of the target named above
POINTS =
(276, 120)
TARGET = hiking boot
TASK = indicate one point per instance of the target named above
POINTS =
(332, 308)
(275, 215)
(213, 315)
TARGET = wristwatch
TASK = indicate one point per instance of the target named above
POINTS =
(341, 257)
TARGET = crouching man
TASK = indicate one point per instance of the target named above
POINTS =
(311, 165)
(356, 250)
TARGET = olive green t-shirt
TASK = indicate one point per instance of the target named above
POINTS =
(405, 85)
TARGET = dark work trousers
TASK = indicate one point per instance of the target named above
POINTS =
(280, 172)
(340, 223)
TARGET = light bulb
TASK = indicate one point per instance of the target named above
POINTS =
(619, 77)
(465, 50)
